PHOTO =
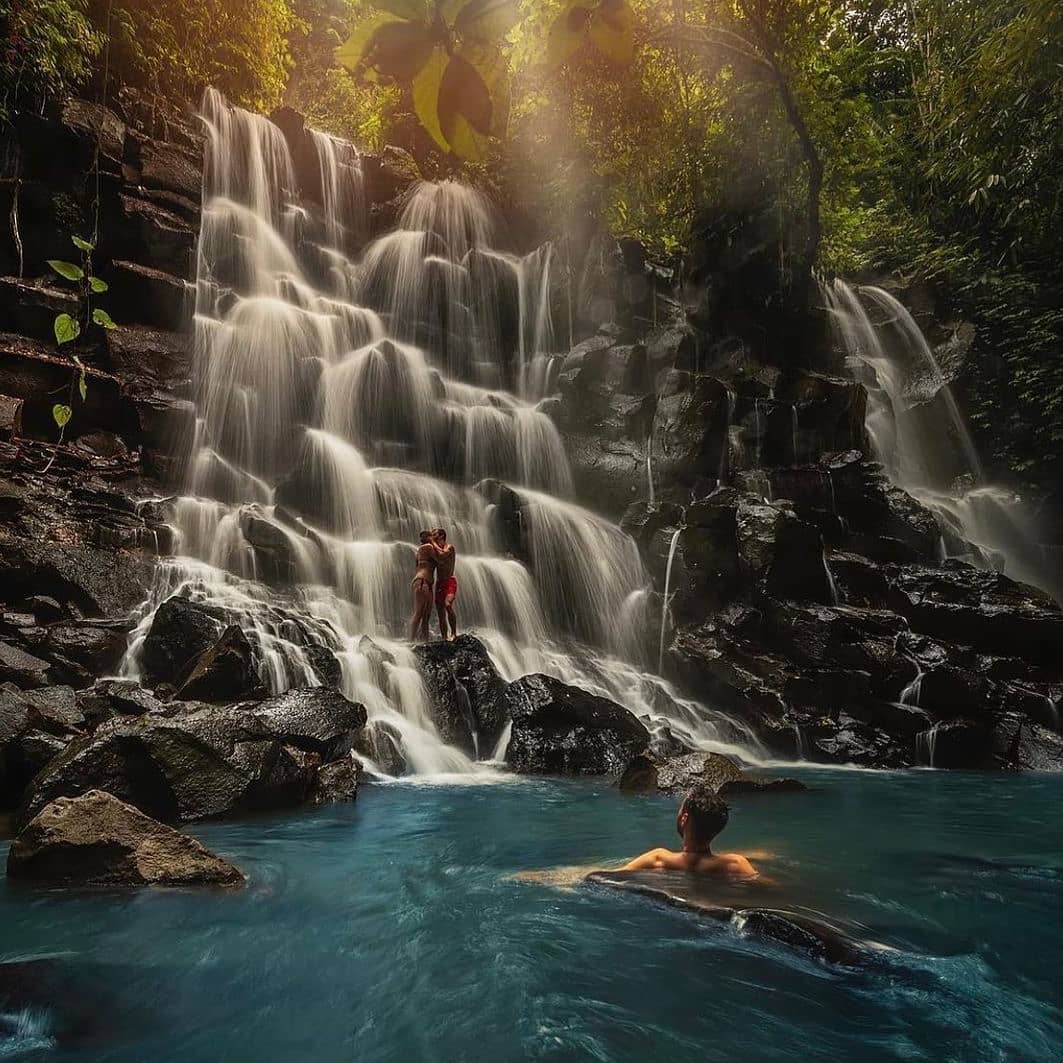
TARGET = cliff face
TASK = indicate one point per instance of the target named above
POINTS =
(76, 550)
(803, 591)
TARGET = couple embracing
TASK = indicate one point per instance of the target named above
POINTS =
(435, 564)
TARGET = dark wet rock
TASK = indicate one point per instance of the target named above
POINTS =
(336, 781)
(469, 699)
(22, 668)
(91, 648)
(97, 582)
(273, 549)
(142, 358)
(671, 347)
(563, 730)
(34, 727)
(690, 430)
(97, 840)
(226, 671)
(143, 230)
(782, 554)
(107, 698)
(506, 518)
(382, 744)
(795, 930)
(881, 521)
(206, 762)
(180, 633)
(167, 166)
(325, 664)
(147, 296)
(958, 603)
(677, 775)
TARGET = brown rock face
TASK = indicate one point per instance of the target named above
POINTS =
(97, 840)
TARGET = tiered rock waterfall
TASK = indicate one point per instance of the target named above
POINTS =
(348, 397)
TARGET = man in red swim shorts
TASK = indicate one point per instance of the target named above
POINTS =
(446, 585)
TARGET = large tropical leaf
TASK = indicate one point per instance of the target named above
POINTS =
(486, 20)
(426, 91)
(612, 29)
(389, 46)
(474, 99)
(568, 32)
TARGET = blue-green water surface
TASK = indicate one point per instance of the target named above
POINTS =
(391, 929)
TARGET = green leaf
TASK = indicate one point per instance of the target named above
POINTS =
(66, 328)
(567, 33)
(82, 245)
(61, 415)
(83, 387)
(97, 285)
(426, 88)
(387, 46)
(66, 269)
(487, 20)
(474, 100)
(103, 319)
(612, 29)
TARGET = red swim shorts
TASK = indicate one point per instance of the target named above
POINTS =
(446, 588)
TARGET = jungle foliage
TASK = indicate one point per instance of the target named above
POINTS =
(922, 138)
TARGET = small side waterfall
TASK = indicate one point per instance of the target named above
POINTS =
(918, 433)
(341, 410)
(667, 596)
(926, 746)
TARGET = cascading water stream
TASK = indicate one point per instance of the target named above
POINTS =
(918, 433)
(667, 596)
(342, 409)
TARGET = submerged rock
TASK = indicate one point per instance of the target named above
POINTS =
(676, 775)
(201, 762)
(97, 840)
(563, 730)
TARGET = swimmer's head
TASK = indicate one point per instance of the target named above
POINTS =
(702, 815)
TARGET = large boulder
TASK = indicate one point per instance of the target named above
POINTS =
(469, 700)
(562, 730)
(181, 632)
(226, 671)
(93, 581)
(201, 762)
(986, 610)
(35, 726)
(782, 553)
(97, 840)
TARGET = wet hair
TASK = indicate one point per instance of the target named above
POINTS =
(425, 535)
(707, 811)
(441, 532)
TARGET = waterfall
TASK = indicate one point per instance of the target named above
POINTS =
(926, 745)
(664, 603)
(342, 190)
(917, 432)
(341, 410)
(911, 693)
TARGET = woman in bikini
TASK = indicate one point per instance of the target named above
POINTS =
(423, 577)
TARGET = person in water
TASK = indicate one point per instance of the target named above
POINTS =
(446, 585)
(702, 816)
(423, 577)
